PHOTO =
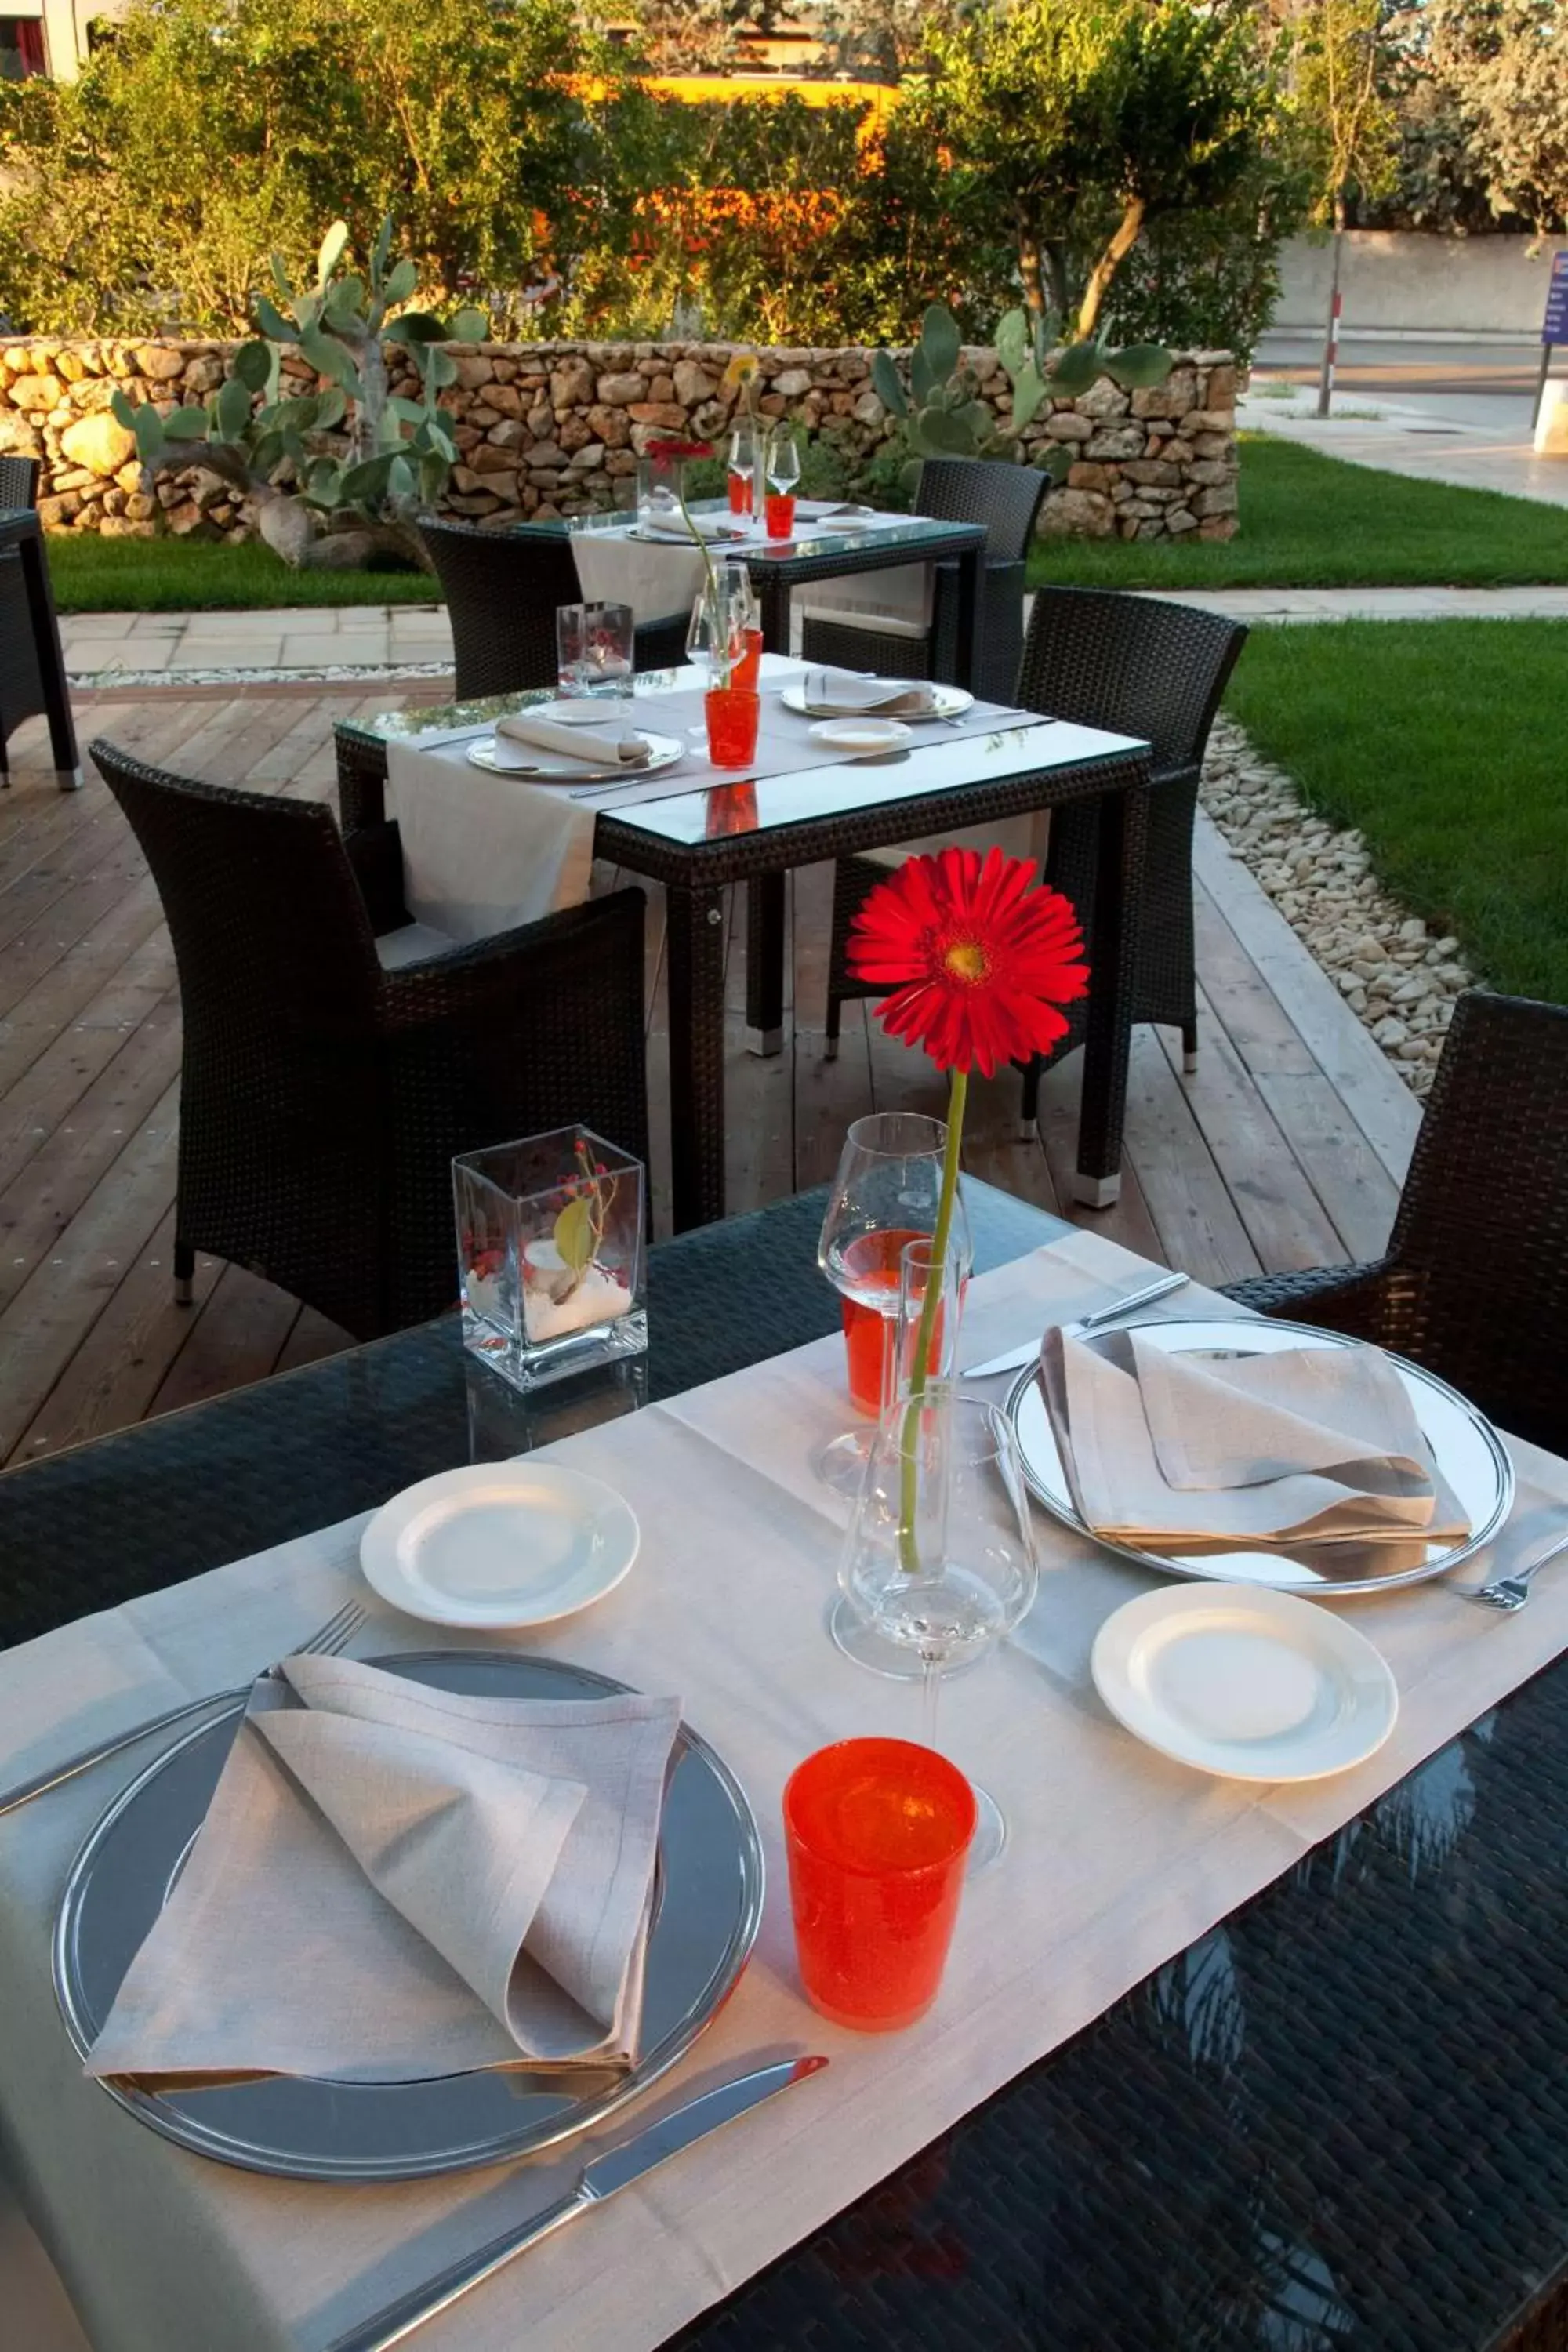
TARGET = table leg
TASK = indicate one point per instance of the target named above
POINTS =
(772, 606)
(1118, 902)
(695, 931)
(765, 962)
(51, 661)
(964, 661)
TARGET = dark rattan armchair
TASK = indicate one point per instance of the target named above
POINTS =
(1007, 498)
(1474, 1284)
(322, 1097)
(21, 684)
(502, 588)
(1137, 665)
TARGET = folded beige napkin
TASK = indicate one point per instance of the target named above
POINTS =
(671, 523)
(842, 694)
(614, 744)
(1306, 1446)
(393, 1881)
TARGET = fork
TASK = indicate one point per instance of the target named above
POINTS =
(327, 1642)
(1512, 1593)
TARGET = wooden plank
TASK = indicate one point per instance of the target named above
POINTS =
(1352, 1183)
(1241, 998)
(114, 1373)
(133, 1017)
(49, 1317)
(1381, 1104)
(312, 1340)
(1282, 1214)
(1127, 1220)
(1186, 1196)
(236, 1338)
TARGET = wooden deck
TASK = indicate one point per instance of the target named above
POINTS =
(1284, 1149)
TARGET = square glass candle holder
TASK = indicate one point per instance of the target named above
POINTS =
(550, 1254)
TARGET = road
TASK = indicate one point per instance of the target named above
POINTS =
(1488, 386)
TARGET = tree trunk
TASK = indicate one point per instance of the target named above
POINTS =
(1030, 265)
(1331, 323)
(1106, 267)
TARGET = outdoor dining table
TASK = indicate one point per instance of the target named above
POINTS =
(22, 543)
(1333, 2122)
(764, 826)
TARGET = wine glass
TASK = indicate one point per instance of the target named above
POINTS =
(940, 1556)
(784, 458)
(715, 635)
(742, 466)
(885, 1193)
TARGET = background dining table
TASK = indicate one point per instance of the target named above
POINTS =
(1334, 2123)
(698, 842)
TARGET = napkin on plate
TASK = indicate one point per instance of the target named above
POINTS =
(609, 746)
(393, 1881)
(1316, 1447)
(673, 524)
(839, 694)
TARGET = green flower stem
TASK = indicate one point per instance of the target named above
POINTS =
(931, 1306)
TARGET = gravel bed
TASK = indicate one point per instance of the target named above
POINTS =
(1396, 975)
(328, 674)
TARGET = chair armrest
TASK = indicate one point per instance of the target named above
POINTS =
(510, 968)
(1363, 1301)
(376, 853)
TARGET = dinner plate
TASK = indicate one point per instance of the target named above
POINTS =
(503, 758)
(707, 1904)
(1255, 1685)
(861, 734)
(948, 702)
(1473, 1457)
(500, 1543)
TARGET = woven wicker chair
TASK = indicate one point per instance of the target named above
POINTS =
(1007, 498)
(502, 588)
(1474, 1283)
(1136, 666)
(322, 1097)
(21, 686)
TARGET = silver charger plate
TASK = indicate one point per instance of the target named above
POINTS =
(950, 702)
(555, 768)
(1472, 1457)
(707, 1907)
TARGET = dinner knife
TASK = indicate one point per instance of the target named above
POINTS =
(1013, 1359)
(615, 2169)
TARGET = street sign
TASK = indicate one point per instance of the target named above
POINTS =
(1556, 329)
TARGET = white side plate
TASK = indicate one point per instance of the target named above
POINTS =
(1249, 1683)
(861, 734)
(500, 1543)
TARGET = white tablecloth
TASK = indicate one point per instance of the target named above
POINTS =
(1118, 1859)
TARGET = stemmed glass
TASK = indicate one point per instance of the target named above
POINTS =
(940, 1556)
(742, 467)
(715, 635)
(783, 473)
(885, 1194)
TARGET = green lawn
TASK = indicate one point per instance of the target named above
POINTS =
(1308, 521)
(1443, 742)
(172, 576)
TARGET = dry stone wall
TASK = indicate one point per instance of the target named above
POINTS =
(545, 429)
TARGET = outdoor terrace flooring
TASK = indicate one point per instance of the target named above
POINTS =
(1284, 1149)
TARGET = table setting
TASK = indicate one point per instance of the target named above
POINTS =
(646, 1842)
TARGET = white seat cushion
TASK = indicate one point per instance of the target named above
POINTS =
(415, 943)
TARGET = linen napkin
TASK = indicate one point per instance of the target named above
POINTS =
(1305, 1446)
(611, 745)
(657, 579)
(671, 523)
(393, 1881)
(483, 852)
(842, 694)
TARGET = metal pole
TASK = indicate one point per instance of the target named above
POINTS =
(1546, 352)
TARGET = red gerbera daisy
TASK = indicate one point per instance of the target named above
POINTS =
(978, 961)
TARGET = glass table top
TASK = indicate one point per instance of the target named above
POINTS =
(938, 761)
(877, 531)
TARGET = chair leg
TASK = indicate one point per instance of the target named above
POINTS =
(1189, 1045)
(185, 1272)
(830, 1036)
(1029, 1110)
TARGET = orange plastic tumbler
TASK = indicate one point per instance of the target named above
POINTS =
(778, 509)
(876, 1832)
(732, 715)
(748, 671)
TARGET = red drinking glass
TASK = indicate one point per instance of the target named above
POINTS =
(732, 714)
(876, 1832)
(740, 487)
(779, 511)
(748, 671)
